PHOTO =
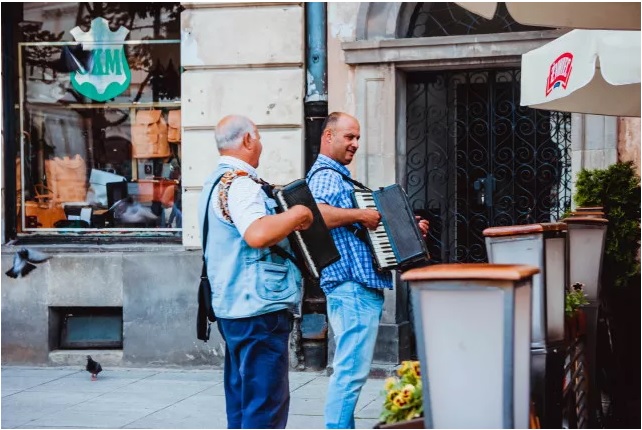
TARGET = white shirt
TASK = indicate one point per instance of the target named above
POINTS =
(245, 197)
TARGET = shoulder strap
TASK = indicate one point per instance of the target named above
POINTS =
(359, 232)
(276, 249)
(343, 175)
(207, 209)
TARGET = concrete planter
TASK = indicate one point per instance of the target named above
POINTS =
(575, 325)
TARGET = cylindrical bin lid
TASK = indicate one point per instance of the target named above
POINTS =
(585, 220)
(588, 211)
(503, 272)
(515, 230)
(587, 214)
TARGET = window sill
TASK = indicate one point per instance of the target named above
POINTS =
(98, 240)
(76, 357)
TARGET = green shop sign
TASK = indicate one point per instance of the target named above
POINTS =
(108, 74)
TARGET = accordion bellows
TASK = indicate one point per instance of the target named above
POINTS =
(315, 245)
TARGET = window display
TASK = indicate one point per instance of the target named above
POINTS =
(100, 117)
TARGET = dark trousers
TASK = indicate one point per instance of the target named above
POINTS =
(257, 393)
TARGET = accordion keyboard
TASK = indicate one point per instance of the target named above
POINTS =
(379, 240)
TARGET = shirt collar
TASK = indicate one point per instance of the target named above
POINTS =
(238, 164)
(334, 164)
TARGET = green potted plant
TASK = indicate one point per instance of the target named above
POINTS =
(575, 320)
(617, 190)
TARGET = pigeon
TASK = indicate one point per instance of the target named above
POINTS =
(23, 262)
(128, 211)
(93, 367)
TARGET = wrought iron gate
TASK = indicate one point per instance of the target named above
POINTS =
(477, 159)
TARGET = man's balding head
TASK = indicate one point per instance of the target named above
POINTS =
(340, 137)
(230, 131)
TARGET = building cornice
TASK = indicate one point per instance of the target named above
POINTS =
(465, 48)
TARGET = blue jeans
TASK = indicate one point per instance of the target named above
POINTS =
(257, 390)
(354, 312)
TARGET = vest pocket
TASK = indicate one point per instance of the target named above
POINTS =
(274, 282)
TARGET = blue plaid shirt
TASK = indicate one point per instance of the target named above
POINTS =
(356, 262)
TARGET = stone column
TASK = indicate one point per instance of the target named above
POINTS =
(593, 143)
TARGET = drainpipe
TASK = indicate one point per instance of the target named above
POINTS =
(316, 94)
(312, 327)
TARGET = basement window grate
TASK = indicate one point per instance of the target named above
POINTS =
(90, 327)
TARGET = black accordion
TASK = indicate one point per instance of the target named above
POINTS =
(397, 242)
(315, 245)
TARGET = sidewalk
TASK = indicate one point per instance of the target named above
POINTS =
(65, 397)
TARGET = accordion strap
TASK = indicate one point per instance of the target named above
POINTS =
(343, 175)
(276, 249)
(359, 232)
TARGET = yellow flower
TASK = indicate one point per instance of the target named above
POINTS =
(390, 382)
(391, 395)
(403, 369)
(416, 369)
(400, 401)
(407, 390)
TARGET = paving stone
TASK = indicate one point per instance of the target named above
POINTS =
(305, 422)
(306, 406)
(365, 423)
(75, 417)
(37, 372)
(65, 397)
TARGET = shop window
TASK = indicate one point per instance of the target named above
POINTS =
(100, 104)
(87, 327)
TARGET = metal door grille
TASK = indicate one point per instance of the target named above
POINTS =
(476, 159)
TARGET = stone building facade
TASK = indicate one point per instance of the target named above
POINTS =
(249, 58)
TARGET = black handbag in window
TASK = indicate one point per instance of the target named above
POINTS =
(205, 316)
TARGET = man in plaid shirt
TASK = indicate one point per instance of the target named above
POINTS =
(353, 286)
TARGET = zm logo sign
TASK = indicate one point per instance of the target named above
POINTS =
(108, 73)
(559, 72)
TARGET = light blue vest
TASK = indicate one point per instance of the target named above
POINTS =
(245, 281)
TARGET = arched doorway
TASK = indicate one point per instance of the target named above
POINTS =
(474, 157)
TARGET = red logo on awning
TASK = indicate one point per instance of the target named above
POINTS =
(559, 72)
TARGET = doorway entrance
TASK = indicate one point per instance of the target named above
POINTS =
(475, 158)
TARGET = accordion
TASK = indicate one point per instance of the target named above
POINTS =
(397, 242)
(315, 245)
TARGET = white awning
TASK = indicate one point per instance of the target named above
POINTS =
(587, 71)
(599, 15)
